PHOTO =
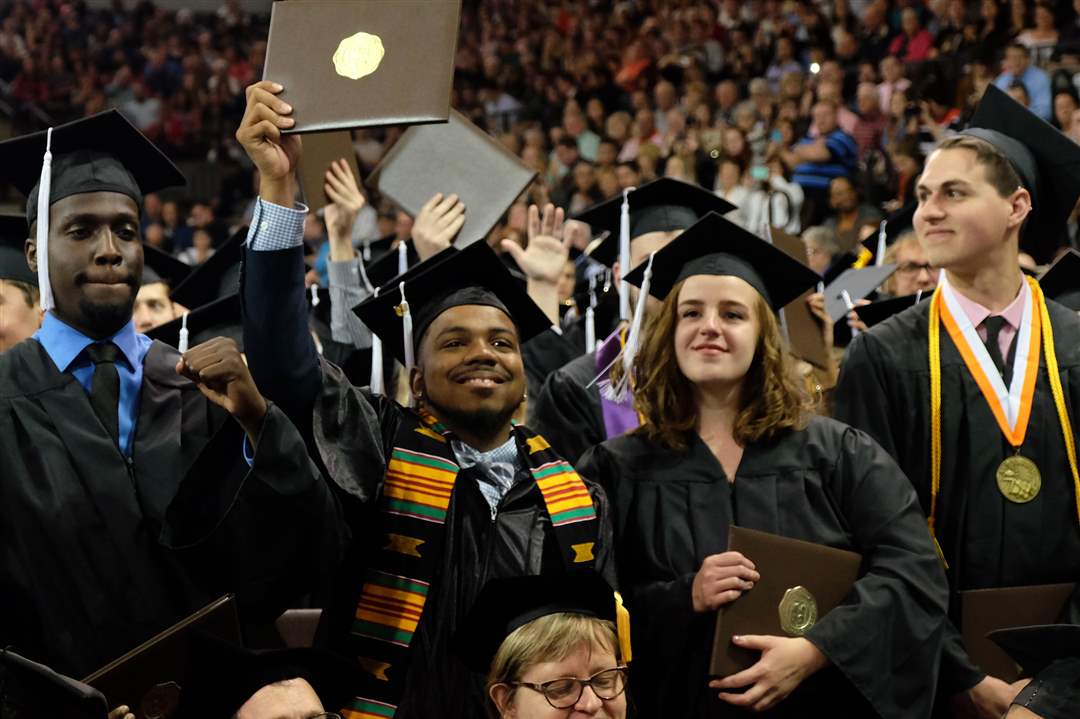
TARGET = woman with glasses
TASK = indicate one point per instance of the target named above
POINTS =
(726, 440)
(551, 645)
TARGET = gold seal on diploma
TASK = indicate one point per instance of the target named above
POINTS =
(358, 55)
(798, 611)
(1018, 479)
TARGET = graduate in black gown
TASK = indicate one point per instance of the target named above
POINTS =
(570, 409)
(728, 440)
(997, 523)
(126, 501)
(440, 496)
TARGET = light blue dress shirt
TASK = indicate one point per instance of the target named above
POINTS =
(64, 345)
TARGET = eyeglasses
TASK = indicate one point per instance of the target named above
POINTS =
(913, 268)
(565, 693)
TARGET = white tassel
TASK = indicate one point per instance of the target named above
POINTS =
(376, 383)
(618, 391)
(590, 330)
(402, 258)
(314, 295)
(367, 283)
(182, 345)
(590, 318)
(851, 308)
(406, 329)
(918, 296)
(624, 255)
(44, 192)
(879, 256)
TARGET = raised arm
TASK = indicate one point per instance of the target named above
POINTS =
(277, 341)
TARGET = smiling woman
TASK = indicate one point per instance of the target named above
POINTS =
(726, 440)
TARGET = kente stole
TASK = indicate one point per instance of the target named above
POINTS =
(415, 499)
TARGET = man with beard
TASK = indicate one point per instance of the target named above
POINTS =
(125, 499)
(439, 499)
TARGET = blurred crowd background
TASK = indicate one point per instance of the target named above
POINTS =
(596, 96)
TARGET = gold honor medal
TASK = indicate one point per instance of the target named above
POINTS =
(1018, 479)
(358, 55)
(798, 611)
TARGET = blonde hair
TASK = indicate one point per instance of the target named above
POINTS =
(904, 240)
(550, 638)
(772, 399)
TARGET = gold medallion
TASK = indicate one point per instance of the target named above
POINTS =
(1018, 479)
(798, 611)
(358, 55)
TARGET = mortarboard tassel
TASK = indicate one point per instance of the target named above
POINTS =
(314, 295)
(590, 318)
(407, 333)
(846, 296)
(182, 345)
(624, 255)
(402, 258)
(618, 391)
(879, 254)
(44, 192)
(376, 382)
(366, 254)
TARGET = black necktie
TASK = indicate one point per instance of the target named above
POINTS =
(105, 386)
(993, 327)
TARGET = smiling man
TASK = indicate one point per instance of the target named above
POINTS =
(975, 391)
(119, 455)
(440, 498)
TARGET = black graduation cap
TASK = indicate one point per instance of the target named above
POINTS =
(507, 604)
(662, 205)
(13, 265)
(34, 691)
(225, 676)
(877, 312)
(219, 318)
(890, 230)
(1061, 281)
(470, 276)
(160, 266)
(1036, 647)
(385, 266)
(100, 153)
(216, 278)
(1047, 161)
(718, 246)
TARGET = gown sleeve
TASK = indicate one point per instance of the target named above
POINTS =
(277, 341)
(270, 532)
(670, 612)
(901, 599)
(567, 416)
(543, 355)
(858, 397)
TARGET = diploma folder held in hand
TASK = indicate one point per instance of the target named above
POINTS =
(987, 610)
(150, 679)
(352, 63)
(800, 583)
(457, 158)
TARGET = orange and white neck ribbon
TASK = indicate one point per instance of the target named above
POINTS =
(1010, 405)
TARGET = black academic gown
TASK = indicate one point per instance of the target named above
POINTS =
(98, 553)
(350, 433)
(828, 484)
(567, 411)
(988, 541)
(543, 355)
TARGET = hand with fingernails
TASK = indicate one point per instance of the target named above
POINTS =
(437, 224)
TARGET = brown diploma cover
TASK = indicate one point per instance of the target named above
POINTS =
(986, 610)
(800, 583)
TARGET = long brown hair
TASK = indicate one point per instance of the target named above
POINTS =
(771, 399)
